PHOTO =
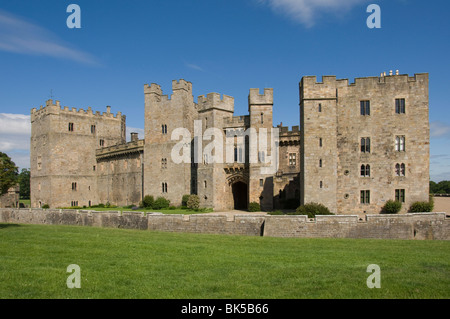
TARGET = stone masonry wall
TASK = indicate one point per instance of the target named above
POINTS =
(424, 226)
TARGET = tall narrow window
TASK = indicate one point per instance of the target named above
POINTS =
(321, 184)
(164, 187)
(365, 107)
(93, 129)
(400, 169)
(400, 195)
(261, 183)
(400, 143)
(320, 142)
(262, 118)
(164, 128)
(365, 145)
(102, 142)
(320, 107)
(400, 106)
(74, 186)
(365, 170)
(320, 162)
(70, 127)
(365, 197)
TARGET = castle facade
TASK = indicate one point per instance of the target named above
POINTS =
(357, 146)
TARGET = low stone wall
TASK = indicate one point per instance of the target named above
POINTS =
(405, 226)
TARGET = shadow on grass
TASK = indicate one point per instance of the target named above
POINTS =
(6, 225)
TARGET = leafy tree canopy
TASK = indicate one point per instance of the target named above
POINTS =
(8, 173)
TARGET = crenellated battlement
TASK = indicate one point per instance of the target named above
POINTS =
(331, 81)
(56, 109)
(181, 85)
(215, 101)
(255, 98)
(284, 130)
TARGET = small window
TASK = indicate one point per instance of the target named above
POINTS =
(164, 187)
(400, 106)
(262, 118)
(400, 169)
(365, 170)
(320, 107)
(93, 168)
(320, 142)
(74, 203)
(400, 195)
(261, 182)
(292, 159)
(321, 184)
(102, 142)
(93, 129)
(365, 145)
(365, 108)
(365, 197)
(205, 184)
(164, 129)
(320, 163)
(400, 143)
(70, 127)
(74, 186)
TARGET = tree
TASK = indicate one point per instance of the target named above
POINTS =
(24, 182)
(8, 173)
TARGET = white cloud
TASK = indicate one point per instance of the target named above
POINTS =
(15, 133)
(439, 129)
(307, 11)
(20, 36)
(194, 66)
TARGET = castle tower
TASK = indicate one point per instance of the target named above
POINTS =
(318, 146)
(62, 154)
(364, 143)
(162, 176)
(212, 186)
(263, 157)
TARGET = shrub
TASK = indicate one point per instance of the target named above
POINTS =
(422, 207)
(45, 206)
(184, 200)
(313, 209)
(254, 207)
(161, 203)
(276, 212)
(193, 202)
(391, 207)
(148, 201)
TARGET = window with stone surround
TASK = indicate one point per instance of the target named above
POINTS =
(365, 197)
(164, 128)
(400, 142)
(400, 195)
(400, 106)
(74, 186)
(292, 159)
(365, 144)
(365, 170)
(70, 127)
(93, 129)
(400, 169)
(365, 108)
(164, 187)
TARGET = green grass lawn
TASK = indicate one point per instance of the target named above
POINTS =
(120, 263)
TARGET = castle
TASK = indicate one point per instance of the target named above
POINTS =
(358, 145)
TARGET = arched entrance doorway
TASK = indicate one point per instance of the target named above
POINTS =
(240, 191)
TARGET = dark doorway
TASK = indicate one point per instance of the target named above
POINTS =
(240, 195)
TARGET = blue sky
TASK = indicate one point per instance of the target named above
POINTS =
(220, 46)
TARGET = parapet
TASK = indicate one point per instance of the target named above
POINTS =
(215, 101)
(254, 98)
(152, 88)
(56, 109)
(181, 85)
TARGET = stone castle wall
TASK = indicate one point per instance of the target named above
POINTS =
(424, 226)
